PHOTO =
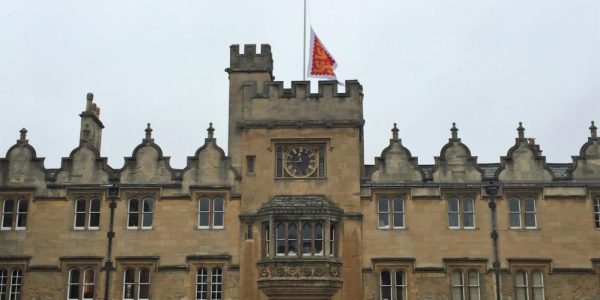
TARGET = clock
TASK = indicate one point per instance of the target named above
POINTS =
(300, 161)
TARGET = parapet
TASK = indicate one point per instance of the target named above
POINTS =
(250, 61)
(297, 103)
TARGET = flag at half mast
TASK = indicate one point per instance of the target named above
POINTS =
(320, 62)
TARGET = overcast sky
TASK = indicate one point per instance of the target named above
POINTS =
(483, 64)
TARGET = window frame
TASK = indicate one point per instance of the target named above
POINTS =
(394, 285)
(596, 207)
(13, 281)
(529, 285)
(461, 214)
(82, 283)
(87, 213)
(214, 288)
(211, 212)
(466, 285)
(391, 211)
(137, 282)
(141, 213)
(522, 200)
(15, 213)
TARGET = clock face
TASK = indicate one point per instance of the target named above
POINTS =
(300, 161)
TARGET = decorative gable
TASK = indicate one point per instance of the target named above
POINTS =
(396, 164)
(587, 164)
(21, 167)
(455, 163)
(146, 164)
(524, 161)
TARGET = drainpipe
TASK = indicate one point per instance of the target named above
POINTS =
(113, 191)
(491, 190)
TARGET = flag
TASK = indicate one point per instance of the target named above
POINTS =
(320, 62)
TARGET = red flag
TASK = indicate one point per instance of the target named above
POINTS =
(320, 62)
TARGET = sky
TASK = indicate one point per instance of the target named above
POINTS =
(423, 64)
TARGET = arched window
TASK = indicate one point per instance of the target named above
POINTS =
(14, 214)
(202, 284)
(514, 211)
(15, 284)
(597, 212)
(529, 211)
(468, 213)
(392, 285)
(458, 285)
(80, 285)
(521, 285)
(384, 213)
(211, 212)
(216, 286)
(538, 285)
(453, 213)
(473, 285)
(136, 284)
(140, 211)
(94, 214)
(80, 210)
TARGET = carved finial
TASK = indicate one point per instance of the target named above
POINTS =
(148, 133)
(593, 132)
(23, 137)
(90, 97)
(89, 106)
(395, 132)
(521, 130)
(211, 131)
(454, 131)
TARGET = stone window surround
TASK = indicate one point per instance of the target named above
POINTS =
(595, 197)
(391, 196)
(529, 266)
(81, 263)
(9, 267)
(466, 265)
(209, 263)
(137, 264)
(211, 194)
(460, 195)
(87, 195)
(522, 194)
(17, 197)
(393, 265)
(141, 194)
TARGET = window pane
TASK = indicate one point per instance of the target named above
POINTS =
(15, 284)
(218, 219)
(79, 220)
(468, 220)
(148, 205)
(400, 279)
(95, 205)
(292, 239)
(306, 239)
(453, 205)
(216, 279)
(468, 205)
(144, 276)
(514, 205)
(457, 293)
(147, 219)
(3, 283)
(318, 239)
(202, 284)
(386, 292)
(457, 279)
(400, 285)
(398, 220)
(384, 221)
(94, 221)
(133, 213)
(144, 284)
(521, 293)
(80, 206)
(73, 284)
(383, 205)
(218, 204)
(515, 220)
(280, 239)
(22, 213)
(386, 278)
(88, 284)
(529, 205)
(204, 204)
(473, 285)
(530, 220)
(398, 205)
(453, 220)
(129, 276)
(332, 240)
(203, 219)
(7, 213)
(133, 205)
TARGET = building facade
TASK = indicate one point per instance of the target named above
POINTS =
(293, 212)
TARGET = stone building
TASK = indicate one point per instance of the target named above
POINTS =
(293, 212)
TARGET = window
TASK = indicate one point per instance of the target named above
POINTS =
(137, 213)
(87, 214)
(14, 214)
(522, 212)
(136, 284)
(392, 285)
(527, 289)
(465, 287)
(10, 284)
(461, 211)
(212, 288)
(311, 238)
(211, 212)
(597, 212)
(391, 211)
(81, 284)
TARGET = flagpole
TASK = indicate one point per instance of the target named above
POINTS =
(304, 45)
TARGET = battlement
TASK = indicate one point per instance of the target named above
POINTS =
(298, 104)
(250, 61)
